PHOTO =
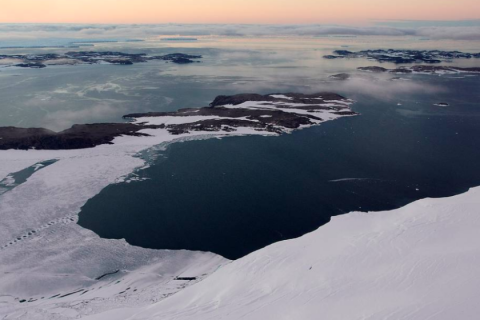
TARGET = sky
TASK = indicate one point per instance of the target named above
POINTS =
(234, 11)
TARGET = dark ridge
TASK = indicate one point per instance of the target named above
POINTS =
(340, 76)
(107, 274)
(69, 294)
(440, 68)
(342, 52)
(119, 62)
(331, 57)
(373, 69)
(78, 136)
(31, 65)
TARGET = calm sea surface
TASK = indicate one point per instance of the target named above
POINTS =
(236, 195)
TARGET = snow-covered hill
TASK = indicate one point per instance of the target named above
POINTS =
(418, 262)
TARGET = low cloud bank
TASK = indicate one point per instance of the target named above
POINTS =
(63, 119)
(383, 88)
(13, 31)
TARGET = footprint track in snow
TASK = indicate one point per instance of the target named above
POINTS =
(30, 233)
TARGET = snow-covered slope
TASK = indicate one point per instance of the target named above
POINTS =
(418, 262)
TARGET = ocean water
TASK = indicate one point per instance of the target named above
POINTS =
(60, 96)
(235, 195)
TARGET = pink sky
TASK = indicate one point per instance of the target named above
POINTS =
(233, 11)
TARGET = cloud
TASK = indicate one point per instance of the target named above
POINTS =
(358, 86)
(383, 88)
(89, 31)
(428, 23)
(454, 33)
(63, 119)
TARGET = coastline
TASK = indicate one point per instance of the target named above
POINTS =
(414, 262)
(46, 231)
(125, 161)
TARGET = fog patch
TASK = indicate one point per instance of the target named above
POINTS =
(63, 119)
(382, 87)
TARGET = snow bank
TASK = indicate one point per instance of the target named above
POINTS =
(417, 262)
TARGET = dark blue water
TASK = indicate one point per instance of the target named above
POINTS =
(236, 195)
(15, 179)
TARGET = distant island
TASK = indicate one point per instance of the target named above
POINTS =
(423, 69)
(404, 56)
(179, 39)
(340, 76)
(274, 114)
(90, 57)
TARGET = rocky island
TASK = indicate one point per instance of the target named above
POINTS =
(404, 56)
(340, 76)
(91, 57)
(421, 69)
(273, 114)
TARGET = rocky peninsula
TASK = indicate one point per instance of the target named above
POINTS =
(274, 114)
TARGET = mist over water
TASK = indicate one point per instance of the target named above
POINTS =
(60, 96)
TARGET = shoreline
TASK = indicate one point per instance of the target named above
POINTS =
(77, 176)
